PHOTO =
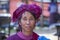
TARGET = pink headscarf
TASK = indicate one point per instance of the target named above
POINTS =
(27, 7)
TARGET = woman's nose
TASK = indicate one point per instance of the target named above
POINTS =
(28, 22)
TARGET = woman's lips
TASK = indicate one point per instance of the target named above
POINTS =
(28, 27)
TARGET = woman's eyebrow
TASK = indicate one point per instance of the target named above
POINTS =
(24, 17)
(31, 17)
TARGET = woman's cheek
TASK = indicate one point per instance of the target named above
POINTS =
(33, 24)
(22, 23)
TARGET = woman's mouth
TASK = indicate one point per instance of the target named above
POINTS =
(28, 27)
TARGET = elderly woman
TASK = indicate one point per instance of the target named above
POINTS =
(27, 16)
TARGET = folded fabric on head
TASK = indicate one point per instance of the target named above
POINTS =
(35, 9)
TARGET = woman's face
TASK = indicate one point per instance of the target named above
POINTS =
(27, 21)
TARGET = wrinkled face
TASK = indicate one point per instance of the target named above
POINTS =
(27, 21)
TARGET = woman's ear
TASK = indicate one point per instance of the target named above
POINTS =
(19, 22)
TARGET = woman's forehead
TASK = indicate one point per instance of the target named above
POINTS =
(27, 14)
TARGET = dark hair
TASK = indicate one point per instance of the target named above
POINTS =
(19, 28)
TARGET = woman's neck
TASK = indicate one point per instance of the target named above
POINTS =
(26, 33)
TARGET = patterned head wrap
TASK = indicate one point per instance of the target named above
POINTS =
(27, 7)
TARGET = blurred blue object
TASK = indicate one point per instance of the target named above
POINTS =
(43, 38)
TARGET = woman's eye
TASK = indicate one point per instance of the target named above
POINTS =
(31, 19)
(24, 19)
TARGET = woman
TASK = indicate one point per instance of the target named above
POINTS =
(27, 16)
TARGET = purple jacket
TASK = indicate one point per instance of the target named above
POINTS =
(16, 37)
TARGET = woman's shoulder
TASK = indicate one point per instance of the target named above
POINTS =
(13, 37)
(35, 36)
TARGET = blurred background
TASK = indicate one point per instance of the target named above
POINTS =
(8, 28)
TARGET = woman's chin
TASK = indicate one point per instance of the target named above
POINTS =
(28, 30)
